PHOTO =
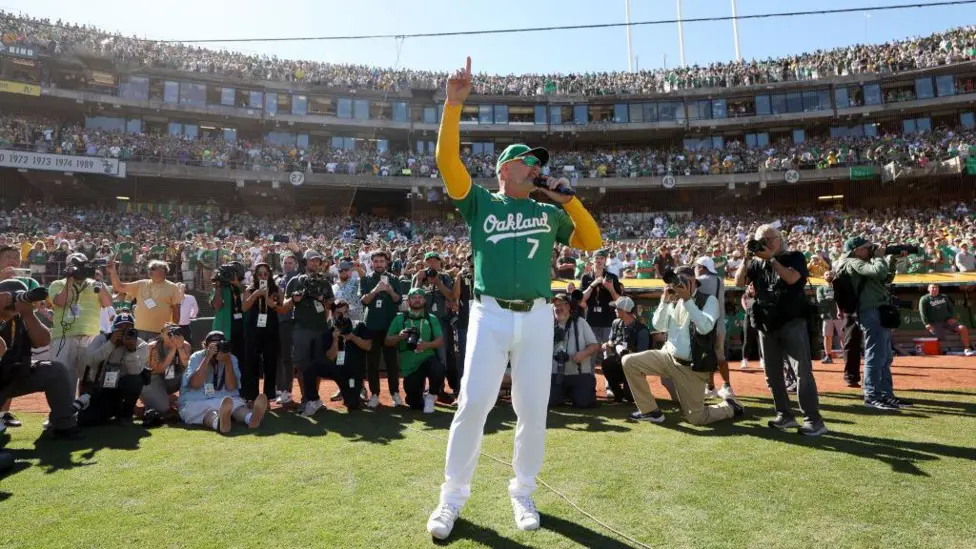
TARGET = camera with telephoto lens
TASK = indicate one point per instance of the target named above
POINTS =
(430, 273)
(344, 325)
(672, 278)
(316, 285)
(755, 246)
(898, 249)
(223, 347)
(227, 273)
(413, 338)
(27, 296)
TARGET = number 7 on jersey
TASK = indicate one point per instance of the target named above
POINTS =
(535, 246)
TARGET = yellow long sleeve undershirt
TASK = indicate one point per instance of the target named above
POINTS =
(586, 234)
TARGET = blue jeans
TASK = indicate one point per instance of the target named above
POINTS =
(877, 356)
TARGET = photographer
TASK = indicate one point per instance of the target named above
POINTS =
(710, 283)
(347, 342)
(437, 286)
(688, 358)
(600, 289)
(262, 300)
(168, 357)
(937, 315)
(381, 298)
(572, 361)
(20, 333)
(286, 327)
(627, 335)
(115, 375)
(76, 302)
(416, 334)
(310, 296)
(209, 395)
(780, 314)
(227, 300)
(9, 270)
(157, 300)
(867, 274)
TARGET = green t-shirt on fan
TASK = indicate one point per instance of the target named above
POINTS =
(126, 252)
(429, 328)
(644, 264)
(511, 240)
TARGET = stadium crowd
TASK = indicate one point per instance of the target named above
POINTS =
(41, 134)
(62, 38)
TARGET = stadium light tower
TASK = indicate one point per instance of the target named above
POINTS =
(735, 31)
(630, 44)
(681, 37)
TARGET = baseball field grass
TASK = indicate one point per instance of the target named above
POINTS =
(369, 480)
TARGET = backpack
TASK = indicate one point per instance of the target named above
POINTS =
(846, 295)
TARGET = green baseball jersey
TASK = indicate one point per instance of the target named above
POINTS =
(645, 264)
(157, 252)
(511, 240)
(127, 253)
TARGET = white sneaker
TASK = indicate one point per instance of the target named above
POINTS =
(441, 521)
(609, 394)
(397, 401)
(336, 396)
(969, 352)
(744, 365)
(311, 407)
(709, 393)
(283, 398)
(373, 402)
(526, 515)
(429, 401)
(726, 392)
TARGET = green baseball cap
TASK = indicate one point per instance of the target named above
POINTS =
(416, 291)
(431, 255)
(519, 150)
(602, 253)
(854, 243)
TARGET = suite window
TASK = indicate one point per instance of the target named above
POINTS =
(271, 103)
(171, 92)
(344, 109)
(636, 112)
(720, 109)
(842, 97)
(192, 93)
(650, 112)
(762, 105)
(361, 109)
(872, 94)
(227, 96)
(924, 88)
(967, 120)
(399, 111)
(485, 114)
(135, 87)
(621, 113)
(539, 114)
(501, 114)
(581, 114)
(945, 85)
(255, 99)
(299, 104)
(779, 104)
(556, 115)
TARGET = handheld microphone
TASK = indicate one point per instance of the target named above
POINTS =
(543, 183)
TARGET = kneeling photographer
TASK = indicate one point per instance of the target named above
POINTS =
(781, 313)
(574, 345)
(688, 358)
(20, 333)
(117, 371)
(228, 305)
(627, 335)
(76, 302)
(169, 355)
(860, 288)
(347, 343)
(417, 336)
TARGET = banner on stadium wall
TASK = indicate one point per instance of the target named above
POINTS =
(6, 86)
(971, 165)
(893, 170)
(61, 163)
(863, 172)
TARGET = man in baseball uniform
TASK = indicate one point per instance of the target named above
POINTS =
(512, 238)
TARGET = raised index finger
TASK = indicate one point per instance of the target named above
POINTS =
(467, 67)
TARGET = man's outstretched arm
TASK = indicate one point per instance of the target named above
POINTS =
(448, 155)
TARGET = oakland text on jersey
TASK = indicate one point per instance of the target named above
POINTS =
(515, 225)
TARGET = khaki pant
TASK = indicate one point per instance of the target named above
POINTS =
(689, 385)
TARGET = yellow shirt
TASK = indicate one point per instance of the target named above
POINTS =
(25, 249)
(154, 303)
(76, 318)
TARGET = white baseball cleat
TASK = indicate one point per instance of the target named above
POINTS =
(373, 402)
(526, 515)
(429, 402)
(441, 521)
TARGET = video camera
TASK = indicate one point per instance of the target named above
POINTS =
(413, 338)
(316, 285)
(898, 249)
(227, 272)
(81, 270)
(755, 246)
(672, 278)
(344, 325)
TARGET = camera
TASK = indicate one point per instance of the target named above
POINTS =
(755, 246)
(344, 325)
(130, 333)
(413, 338)
(430, 273)
(28, 296)
(174, 331)
(558, 334)
(316, 285)
(227, 273)
(80, 270)
(672, 278)
(223, 347)
(898, 249)
(561, 357)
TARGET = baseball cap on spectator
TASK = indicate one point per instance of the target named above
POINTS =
(706, 262)
(215, 336)
(345, 265)
(624, 303)
(432, 255)
(416, 291)
(519, 150)
(560, 297)
(312, 254)
(854, 243)
(602, 253)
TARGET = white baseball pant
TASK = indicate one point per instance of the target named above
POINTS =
(497, 336)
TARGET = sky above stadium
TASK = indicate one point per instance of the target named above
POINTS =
(563, 51)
